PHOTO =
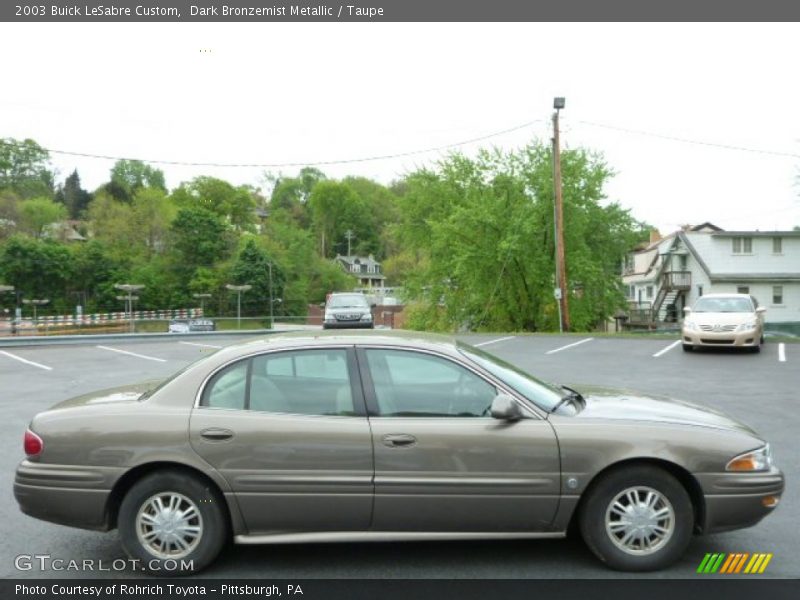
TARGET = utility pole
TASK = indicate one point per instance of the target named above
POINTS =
(349, 235)
(562, 295)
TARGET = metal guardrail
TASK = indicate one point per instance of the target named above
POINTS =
(50, 340)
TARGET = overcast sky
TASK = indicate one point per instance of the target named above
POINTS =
(307, 92)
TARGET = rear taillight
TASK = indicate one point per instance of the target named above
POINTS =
(33, 444)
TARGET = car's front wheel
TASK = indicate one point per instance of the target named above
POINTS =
(688, 347)
(637, 519)
(172, 523)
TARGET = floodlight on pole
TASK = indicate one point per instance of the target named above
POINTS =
(202, 298)
(35, 302)
(129, 288)
(238, 289)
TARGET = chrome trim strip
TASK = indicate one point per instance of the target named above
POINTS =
(388, 536)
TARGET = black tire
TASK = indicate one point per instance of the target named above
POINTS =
(688, 347)
(212, 521)
(597, 505)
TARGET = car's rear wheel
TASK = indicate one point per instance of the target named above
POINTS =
(172, 523)
(637, 519)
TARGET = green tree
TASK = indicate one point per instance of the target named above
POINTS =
(252, 267)
(152, 214)
(234, 204)
(200, 238)
(129, 176)
(24, 168)
(481, 232)
(36, 214)
(36, 268)
(335, 208)
(73, 196)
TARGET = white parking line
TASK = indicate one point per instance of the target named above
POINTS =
(511, 337)
(667, 349)
(27, 362)
(132, 354)
(200, 345)
(782, 352)
(569, 346)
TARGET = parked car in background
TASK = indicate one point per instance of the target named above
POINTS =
(346, 437)
(724, 320)
(189, 325)
(347, 311)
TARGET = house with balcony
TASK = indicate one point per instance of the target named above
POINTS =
(669, 273)
(366, 269)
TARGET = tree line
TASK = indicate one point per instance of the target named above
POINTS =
(470, 240)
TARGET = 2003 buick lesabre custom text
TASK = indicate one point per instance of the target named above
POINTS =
(322, 438)
(101, 10)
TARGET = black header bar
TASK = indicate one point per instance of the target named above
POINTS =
(398, 10)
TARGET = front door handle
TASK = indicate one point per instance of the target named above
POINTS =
(399, 440)
(216, 434)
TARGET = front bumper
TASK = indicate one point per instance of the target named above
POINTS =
(71, 495)
(348, 325)
(739, 500)
(741, 339)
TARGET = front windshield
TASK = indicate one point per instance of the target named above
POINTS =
(349, 301)
(543, 395)
(723, 305)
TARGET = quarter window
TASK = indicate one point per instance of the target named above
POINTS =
(414, 384)
(228, 388)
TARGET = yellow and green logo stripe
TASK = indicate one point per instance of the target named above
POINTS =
(735, 563)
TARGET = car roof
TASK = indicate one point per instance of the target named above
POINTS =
(318, 338)
(731, 295)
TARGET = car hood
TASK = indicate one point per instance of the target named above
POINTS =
(125, 393)
(633, 406)
(721, 318)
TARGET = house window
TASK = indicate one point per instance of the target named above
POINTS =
(742, 245)
(777, 294)
(649, 292)
(699, 291)
(777, 245)
(743, 289)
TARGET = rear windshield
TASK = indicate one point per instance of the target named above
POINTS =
(348, 301)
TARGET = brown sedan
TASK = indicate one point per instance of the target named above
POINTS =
(309, 438)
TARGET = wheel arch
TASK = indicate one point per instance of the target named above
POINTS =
(684, 477)
(124, 484)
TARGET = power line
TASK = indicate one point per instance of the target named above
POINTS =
(691, 141)
(291, 164)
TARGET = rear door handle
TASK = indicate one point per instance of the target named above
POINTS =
(399, 440)
(216, 434)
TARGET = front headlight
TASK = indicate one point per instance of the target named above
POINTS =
(329, 317)
(747, 326)
(366, 317)
(756, 460)
(690, 325)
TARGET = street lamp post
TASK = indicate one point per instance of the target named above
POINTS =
(238, 289)
(129, 288)
(36, 302)
(9, 288)
(271, 310)
(202, 298)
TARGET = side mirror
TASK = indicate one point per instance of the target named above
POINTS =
(686, 310)
(761, 310)
(506, 408)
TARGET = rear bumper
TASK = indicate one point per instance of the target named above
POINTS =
(739, 500)
(65, 494)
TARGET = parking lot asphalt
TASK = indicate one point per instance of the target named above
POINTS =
(760, 389)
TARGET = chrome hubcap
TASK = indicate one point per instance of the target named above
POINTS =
(169, 525)
(640, 520)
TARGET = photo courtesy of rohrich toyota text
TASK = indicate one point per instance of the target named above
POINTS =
(399, 298)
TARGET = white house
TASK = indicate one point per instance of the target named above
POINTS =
(672, 272)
